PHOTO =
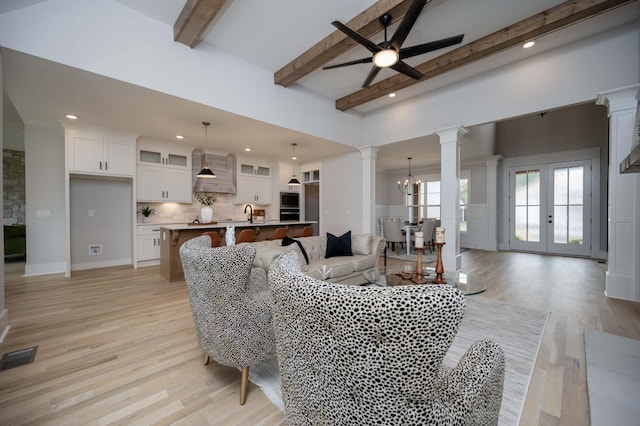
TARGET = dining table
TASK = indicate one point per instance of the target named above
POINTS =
(408, 229)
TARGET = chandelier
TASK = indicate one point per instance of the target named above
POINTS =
(410, 182)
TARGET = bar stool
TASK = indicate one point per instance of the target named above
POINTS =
(307, 231)
(215, 238)
(246, 236)
(279, 233)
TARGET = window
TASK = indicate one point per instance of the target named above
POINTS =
(464, 203)
(429, 200)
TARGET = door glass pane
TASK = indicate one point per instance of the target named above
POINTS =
(150, 156)
(527, 205)
(568, 206)
(521, 223)
(533, 223)
(178, 160)
(560, 220)
(433, 212)
(560, 186)
(533, 184)
(576, 227)
(576, 191)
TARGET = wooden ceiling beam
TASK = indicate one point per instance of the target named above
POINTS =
(194, 20)
(563, 15)
(337, 43)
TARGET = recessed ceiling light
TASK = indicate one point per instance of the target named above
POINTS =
(179, 137)
(71, 117)
(529, 44)
(247, 149)
(392, 95)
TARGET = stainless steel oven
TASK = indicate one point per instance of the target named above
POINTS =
(289, 214)
(290, 200)
(289, 206)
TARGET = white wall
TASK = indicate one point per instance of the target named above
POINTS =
(545, 81)
(341, 195)
(44, 186)
(110, 225)
(119, 42)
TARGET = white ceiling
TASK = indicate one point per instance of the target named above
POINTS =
(269, 35)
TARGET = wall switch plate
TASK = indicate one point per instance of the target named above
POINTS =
(95, 250)
(43, 213)
(91, 213)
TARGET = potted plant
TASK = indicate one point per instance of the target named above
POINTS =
(146, 213)
(206, 199)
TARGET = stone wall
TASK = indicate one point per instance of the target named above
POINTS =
(13, 191)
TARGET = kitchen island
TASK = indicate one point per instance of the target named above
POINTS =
(172, 237)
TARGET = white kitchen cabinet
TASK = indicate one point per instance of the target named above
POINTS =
(161, 154)
(254, 182)
(254, 190)
(148, 243)
(161, 184)
(100, 153)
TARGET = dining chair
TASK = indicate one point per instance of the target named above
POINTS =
(393, 233)
(215, 238)
(428, 227)
(246, 236)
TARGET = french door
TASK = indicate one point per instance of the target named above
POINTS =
(550, 208)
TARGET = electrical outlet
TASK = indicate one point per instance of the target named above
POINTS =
(91, 213)
(95, 250)
(43, 213)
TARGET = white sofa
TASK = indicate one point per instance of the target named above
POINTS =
(366, 249)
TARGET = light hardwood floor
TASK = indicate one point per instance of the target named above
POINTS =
(117, 345)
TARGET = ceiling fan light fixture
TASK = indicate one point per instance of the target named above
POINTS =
(386, 58)
(205, 172)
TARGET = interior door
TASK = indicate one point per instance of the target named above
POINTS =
(550, 208)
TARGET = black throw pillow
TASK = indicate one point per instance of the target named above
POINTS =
(338, 246)
(288, 241)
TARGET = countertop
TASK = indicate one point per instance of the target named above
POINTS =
(240, 224)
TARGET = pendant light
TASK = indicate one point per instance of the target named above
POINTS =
(294, 180)
(409, 182)
(206, 172)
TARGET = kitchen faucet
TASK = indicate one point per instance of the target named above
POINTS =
(250, 212)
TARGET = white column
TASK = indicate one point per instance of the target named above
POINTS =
(622, 280)
(450, 195)
(369, 154)
(491, 242)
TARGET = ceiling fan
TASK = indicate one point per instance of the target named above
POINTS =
(389, 54)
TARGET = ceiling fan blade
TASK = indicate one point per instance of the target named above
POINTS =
(407, 70)
(345, 64)
(372, 74)
(408, 52)
(407, 23)
(373, 48)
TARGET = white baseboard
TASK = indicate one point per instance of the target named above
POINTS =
(143, 263)
(4, 325)
(44, 269)
(103, 264)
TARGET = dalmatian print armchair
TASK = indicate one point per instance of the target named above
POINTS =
(353, 355)
(231, 305)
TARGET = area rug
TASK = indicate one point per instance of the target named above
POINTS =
(518, 330)
(613, 378)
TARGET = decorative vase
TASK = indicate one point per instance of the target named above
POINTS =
(146, 219)
(206, 214)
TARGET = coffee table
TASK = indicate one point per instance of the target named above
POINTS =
(467, 284)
